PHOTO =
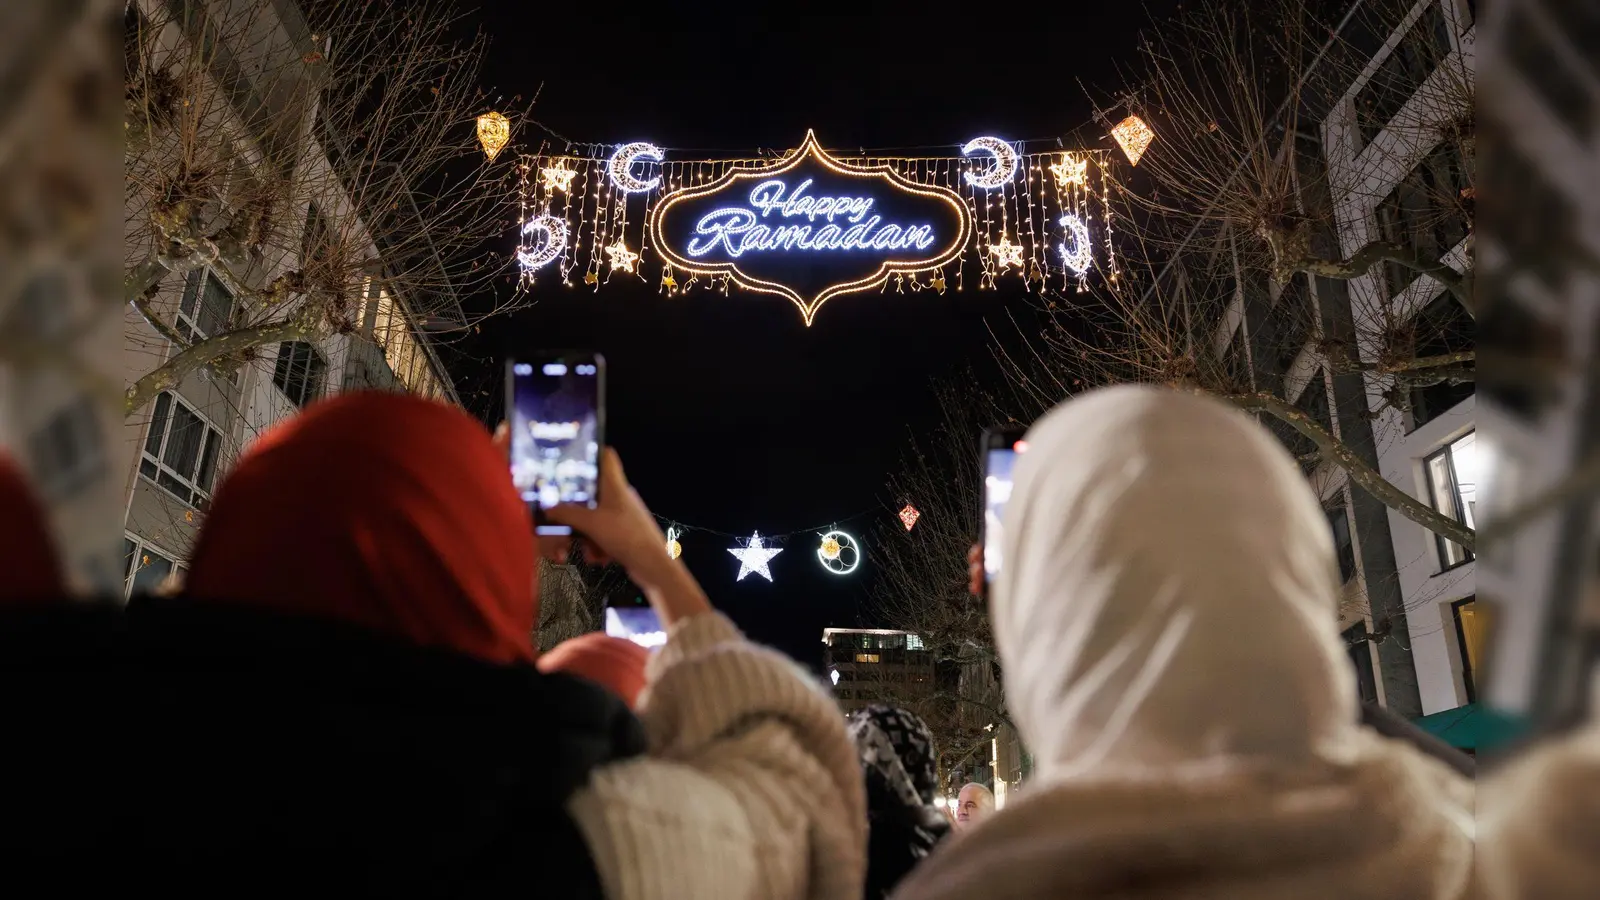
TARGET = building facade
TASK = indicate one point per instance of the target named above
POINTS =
(257, 56)
(875, 665)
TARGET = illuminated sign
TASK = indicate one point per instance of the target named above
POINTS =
(810, 227)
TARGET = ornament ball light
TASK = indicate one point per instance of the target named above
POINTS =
(494, 132)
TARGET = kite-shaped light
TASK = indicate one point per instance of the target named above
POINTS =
(1133, 136)
(909, 516)
(494, 132)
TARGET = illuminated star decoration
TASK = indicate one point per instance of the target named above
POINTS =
(1006, 253)
(557, 177)
(909, 516)
(1071, 170)
(674, 549)
(621, 257)
(754, 558)
(1133, 136)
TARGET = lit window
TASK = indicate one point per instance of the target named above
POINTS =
(1471, 633)
(180, 451)
(1453, 489)
(866, 657)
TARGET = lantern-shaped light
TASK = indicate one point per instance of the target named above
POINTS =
(909, 516)
(1134, 136)
(494, 132)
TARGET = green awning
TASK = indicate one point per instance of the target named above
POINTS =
(1471, 727)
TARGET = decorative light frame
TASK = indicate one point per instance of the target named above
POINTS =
(809, 148)
(845, 542)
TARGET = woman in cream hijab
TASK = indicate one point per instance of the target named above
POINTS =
(1167, 626)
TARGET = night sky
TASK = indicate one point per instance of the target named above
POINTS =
(729, 414)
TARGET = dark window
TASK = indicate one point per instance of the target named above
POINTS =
(1360, 649)
(1453, 491)
(1402, 72)
(180, 451)
(1314, 403)
(1236, 363)
(1441, 328)
(1294, 322)
(68, 451)
(130, 550)
(207, 307)
(1426, 212)
(1344, 546)
(314, 243)
(300, 372)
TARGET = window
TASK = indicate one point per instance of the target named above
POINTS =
(1471, 635)
(914, 642)
(1339, 524)
(300, 372)
(207, 307)
(866, 657)
(68, 452)
(1359, 646)
(1314, 403)
(146, 568)
(315, 240)
(1453, 490)
(1441, 328)
(1293, 313)
(1402, 72)
(1425, 212)
(180, 451)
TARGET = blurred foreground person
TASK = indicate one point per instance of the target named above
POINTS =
(346, 696)
(616, 664)
(1166, 623)
(899, 763)
(1539, 822)
(34, 575)
(973, 804)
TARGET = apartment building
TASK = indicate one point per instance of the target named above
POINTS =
(875, 665)
(259, 55)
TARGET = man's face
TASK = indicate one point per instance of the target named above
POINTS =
(969, 808)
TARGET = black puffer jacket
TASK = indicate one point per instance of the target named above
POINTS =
(251, 751)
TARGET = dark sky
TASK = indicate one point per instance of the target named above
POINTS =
(729, 414)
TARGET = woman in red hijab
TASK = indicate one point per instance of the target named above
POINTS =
(35, 573)
(384, 511)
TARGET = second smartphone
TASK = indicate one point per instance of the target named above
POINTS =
(557, 413)
(1000, 448)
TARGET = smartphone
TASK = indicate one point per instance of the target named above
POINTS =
(637, 622)
(556, 406)
(1000, 449)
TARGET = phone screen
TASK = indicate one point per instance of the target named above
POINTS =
(557, 421)
(636, 623)
(997, 465)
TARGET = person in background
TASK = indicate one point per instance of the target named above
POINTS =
(1167, 624)
(616, 664)
(354, 654)
(898, 761)
(973, 804)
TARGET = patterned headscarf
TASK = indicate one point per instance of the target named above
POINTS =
(898, 746)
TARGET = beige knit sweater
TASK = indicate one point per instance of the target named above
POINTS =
(751, 788)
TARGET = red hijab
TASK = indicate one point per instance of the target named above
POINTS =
(614, 663)
(382, 510)
(35, 576)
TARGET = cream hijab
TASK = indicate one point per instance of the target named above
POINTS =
(1169, 597)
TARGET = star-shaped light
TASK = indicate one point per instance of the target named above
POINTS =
(938, 284)
(909, 516)
(590, 278)
(754, 558)
(621, 257)
(1071, 170)
(669, 281)
(1006, 253)
(557, 177)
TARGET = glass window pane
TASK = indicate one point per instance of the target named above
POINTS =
(1440, 484)
(183, 444)
(208, 461)
(153, 568)
(191, 291)
(1464, 455)
(216, 308)
(130, 550)
(158, 425)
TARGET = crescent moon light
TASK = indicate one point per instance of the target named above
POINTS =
(555, 240)
(1076, 253)
(622, 162)
(1005, 162)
